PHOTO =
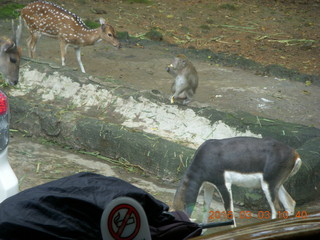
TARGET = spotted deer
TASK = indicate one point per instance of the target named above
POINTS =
(10, 55)
(49, 19)
(243, 161)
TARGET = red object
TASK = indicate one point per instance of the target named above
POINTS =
(3, 103)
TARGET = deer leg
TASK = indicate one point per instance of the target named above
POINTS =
(31, 42)
(286, 200)
(78, 54)
(63, 51)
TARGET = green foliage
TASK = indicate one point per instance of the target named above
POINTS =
(154, 35)
(91, 24)
(9, 10)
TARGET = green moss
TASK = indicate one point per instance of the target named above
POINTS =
(9, 10)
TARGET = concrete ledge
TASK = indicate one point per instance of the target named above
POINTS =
(77, 110)
(157, 155)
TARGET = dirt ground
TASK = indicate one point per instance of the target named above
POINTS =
(284, 32)
(269, 32)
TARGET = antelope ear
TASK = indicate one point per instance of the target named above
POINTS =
(102, 21)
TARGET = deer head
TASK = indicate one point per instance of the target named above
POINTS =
(108, 33)
(10, 55)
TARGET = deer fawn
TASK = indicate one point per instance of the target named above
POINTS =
(49, 19)
(10, 55)
(243, 161)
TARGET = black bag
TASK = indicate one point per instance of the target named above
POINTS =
(71, 208)
(178, 228)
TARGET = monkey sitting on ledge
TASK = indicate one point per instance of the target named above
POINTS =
(186, 79)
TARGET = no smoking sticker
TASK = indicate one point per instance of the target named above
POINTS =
(124, 222)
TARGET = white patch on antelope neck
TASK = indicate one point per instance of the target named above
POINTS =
(249, 180)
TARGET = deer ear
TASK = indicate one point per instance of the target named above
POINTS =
(18, 32)
(8, 46)
(102, 21)
(103, 24)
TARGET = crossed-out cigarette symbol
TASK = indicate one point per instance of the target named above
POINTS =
(124, 222)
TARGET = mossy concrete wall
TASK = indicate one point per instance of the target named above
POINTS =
(155, 154)
(82, 112)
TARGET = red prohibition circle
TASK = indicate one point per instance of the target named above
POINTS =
(130, 211)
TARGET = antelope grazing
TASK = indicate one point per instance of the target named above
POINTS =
(10, 55)
(49, 19)
(243, 161)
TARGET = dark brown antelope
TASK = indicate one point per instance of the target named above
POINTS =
(243, 161)
(49, 19)
(10, 55)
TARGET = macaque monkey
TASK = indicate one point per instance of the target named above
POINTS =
(186, 79)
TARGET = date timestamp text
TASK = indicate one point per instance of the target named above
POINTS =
(249, 214)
